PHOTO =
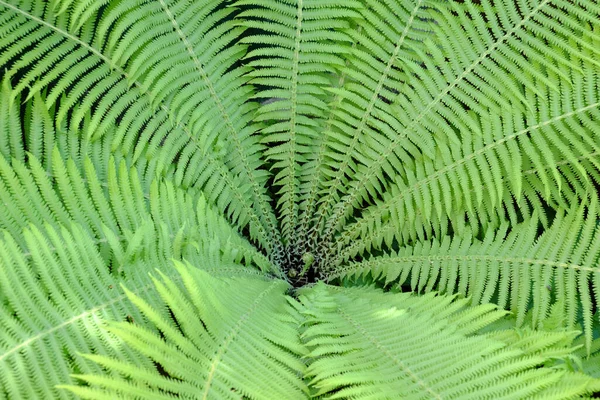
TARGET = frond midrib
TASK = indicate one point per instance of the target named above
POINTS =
(372, 264)
(290, 203)
(383, 349)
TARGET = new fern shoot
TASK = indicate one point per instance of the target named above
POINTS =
(293, 199)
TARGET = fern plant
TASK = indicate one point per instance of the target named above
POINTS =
(284, 199)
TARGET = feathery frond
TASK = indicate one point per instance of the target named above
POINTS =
(224, 339)
(171, 97)
(515, 269)
(294, 55)
(485, 138)
(384, 346)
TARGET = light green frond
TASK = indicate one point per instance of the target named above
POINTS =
(79, 224)
(495, 109)
(374, 348)
(122, 211)
(515, 269)
(56, 292)
(59, 284)
(225, 338)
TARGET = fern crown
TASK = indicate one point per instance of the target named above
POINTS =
(283, 199)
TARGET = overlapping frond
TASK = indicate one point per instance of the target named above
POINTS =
(55, 292)
(515, 269)
(437, 146)
(65, 179)
(75, 224)
(225, 338)
(496, 107)
(365, 344)
(160, 95)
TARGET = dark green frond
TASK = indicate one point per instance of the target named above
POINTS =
(361, 109)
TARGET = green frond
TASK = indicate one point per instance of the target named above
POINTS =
(225, 337)
(111, 199)
(177, 177)
(515, 269)
(75, 229)
(362, 109)
(293, 66)
(591, 364)
(56, 293)
(495, 110)
(491, 172)
(173, 91)
(376, 347)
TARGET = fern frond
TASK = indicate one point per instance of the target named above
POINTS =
(482, 134)
(293, 66)
(226, 336)
(515, 269)
(487, 170)
(59, 284)
(376, 348)
(118, 209)
(173, 96)
(56, 293)
(242, 149)
(372, 81)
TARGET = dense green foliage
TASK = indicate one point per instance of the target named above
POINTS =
(281, 199)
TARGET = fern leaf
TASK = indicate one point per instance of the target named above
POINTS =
(225, 337)
(472, 80)
(363, 104)
(489, 170)
(515, 269)
(52, 317)
(118, 82)
(292, 68)
(421, 355)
